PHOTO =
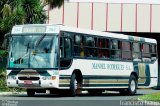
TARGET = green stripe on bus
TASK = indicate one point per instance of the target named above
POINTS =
(96, 85)
(96, 77)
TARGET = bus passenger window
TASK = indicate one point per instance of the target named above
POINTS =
(81, 49)
(90, 47)
(146, 56)
(101, 43)
(76, 51)
(114, 44)
(136, 47)
(77, 39)
(78, 45)
(115, 54)
(107, 43)
(103, 48)
(95, 42)
(104, 54)
(153, 52)
(67, 48)
(153, 48)
(136, 55)
(126, 50)
(90, 41)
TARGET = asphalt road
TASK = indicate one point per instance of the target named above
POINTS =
(105, 99)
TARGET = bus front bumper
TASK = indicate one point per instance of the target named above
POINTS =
(41, 83)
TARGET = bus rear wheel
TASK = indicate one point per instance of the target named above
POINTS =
(132, 88)
(30, 92)
(75, 85)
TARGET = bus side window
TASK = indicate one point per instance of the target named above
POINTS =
(61, 47)
(82, 49)
(126, 50)
(114, 44)
(146, 56)
(153, 52)
(115, 49)
(67, 48)
(89, 46)
(136, 53)
(65, 51)
(100, 46)
(103, 48)
(77, 45)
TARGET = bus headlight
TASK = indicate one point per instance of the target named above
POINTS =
(46, 78)
(12, 77)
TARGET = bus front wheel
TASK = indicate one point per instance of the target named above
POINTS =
(75, 85)
(30, 92)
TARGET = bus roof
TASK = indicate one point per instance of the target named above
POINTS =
(58, 27)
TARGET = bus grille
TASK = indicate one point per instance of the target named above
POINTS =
(30, 78)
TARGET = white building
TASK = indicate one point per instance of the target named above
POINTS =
(109, 15)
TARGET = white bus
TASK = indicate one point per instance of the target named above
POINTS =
(60, 58)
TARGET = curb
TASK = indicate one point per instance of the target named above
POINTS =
(11, 93)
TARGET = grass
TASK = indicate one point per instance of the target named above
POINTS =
(151, 97)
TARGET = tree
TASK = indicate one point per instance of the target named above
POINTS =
(54, 3)
(14, 12)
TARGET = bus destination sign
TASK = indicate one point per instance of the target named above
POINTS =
(33, 29)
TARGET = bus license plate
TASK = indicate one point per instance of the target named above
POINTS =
(27, 82)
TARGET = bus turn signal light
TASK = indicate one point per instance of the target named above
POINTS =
(53, 77)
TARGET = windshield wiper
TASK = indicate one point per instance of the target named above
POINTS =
(39, 40)
(27, 47)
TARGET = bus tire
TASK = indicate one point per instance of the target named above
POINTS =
(95, 92)
(30, 92)
(132, 87)
(75, 85)
(123, 92)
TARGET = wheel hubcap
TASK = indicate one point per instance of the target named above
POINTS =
(133, 85)
(75, 84)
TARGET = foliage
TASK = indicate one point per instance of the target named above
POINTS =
(35, 12)
(3, 86)
(3, 53)
(14, 12)
(2, 79)
(54, 3)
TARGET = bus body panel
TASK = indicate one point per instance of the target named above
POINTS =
(97, 73)
(106, 74)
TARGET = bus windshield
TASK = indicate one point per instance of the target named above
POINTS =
(33, 51)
